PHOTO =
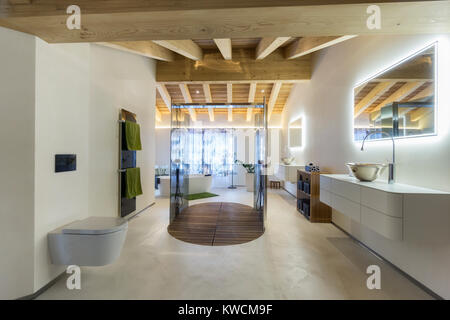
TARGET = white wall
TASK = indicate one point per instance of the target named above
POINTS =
(17, 61)
(63, 99)
(62, 127)
(119, 80)
(162, 147)
(326, 105)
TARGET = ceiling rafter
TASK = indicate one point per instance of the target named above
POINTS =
(307, 45)
(225, 48)
(187, 48)
(268, 45)
(273, 98)
(164, 95)
(147, 49)
(398, 95)
(188, 99)
(371, 97)
(174, 19)
(208, 99)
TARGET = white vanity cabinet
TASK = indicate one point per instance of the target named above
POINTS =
(406, 225)
(377, 205)
(288, 173)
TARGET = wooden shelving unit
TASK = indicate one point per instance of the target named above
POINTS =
(314, 211)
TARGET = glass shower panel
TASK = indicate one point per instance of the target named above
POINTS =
(260, 177)
(179, 162)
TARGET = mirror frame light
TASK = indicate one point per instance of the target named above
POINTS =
(436, 62)
(300, 127)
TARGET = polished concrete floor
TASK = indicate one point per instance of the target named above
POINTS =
(294, 259)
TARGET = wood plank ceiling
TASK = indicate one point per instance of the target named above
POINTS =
(240, 92)
(239, 48)
(242, 70)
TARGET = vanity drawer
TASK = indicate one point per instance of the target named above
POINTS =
(347, 190)
(389, 227)
(385, 202)
(347, 207)
(325, 196)
(325, 183)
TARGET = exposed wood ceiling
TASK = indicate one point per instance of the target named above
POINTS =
(258, 69)
(240, 93)
(245, 46)
(134, 20)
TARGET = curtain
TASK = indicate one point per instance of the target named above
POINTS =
(211, 151)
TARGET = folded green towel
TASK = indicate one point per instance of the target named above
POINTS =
(133, 183)
(133, 135)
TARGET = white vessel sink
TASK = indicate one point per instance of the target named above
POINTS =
(366, 171)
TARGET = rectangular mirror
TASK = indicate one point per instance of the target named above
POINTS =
(400, 101)
(295, 134)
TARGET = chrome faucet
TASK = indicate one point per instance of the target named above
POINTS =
(391, 165)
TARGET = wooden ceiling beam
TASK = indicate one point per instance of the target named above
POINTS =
(207, 93)
(164, 95)
(273, 98)
(252, 92)
(208, 99)
(225, 48)
(135, 20)
(143, 48)
(249, 114)
(268, 45)
(16, 2)
(244, 68)
(371, 97)
(304, 46)
(185, 92)
(187, 48)
(211, 114)
(398, 95)
(229, 93)
(428, 91)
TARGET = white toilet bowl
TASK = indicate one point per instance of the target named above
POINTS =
(95, 241)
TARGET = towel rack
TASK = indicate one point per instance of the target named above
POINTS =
(125, 206)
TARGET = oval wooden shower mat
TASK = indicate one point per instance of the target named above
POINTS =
(217, 224)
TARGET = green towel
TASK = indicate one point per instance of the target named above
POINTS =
(133, 135)
(133, 183)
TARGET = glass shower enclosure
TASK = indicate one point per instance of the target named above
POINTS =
(181, 130)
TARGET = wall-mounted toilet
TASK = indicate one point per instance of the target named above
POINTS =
(95, 241)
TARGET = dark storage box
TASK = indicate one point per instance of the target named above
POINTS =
(306, 187)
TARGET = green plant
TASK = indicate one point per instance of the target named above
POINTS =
(247, 166)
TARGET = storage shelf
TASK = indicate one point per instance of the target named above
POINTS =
(303, 193)
(318, 211)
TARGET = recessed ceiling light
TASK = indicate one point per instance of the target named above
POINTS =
(197, 92)
(262, 90)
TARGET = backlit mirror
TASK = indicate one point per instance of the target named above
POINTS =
(400, 101)
(295, 133)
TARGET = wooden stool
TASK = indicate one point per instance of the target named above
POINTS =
(275, 184)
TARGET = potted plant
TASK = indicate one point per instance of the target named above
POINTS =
(249, 176)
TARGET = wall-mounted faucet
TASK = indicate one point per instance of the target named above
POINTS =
(391, 165)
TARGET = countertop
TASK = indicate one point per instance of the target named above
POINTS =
(291, 165)
(384, 186)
